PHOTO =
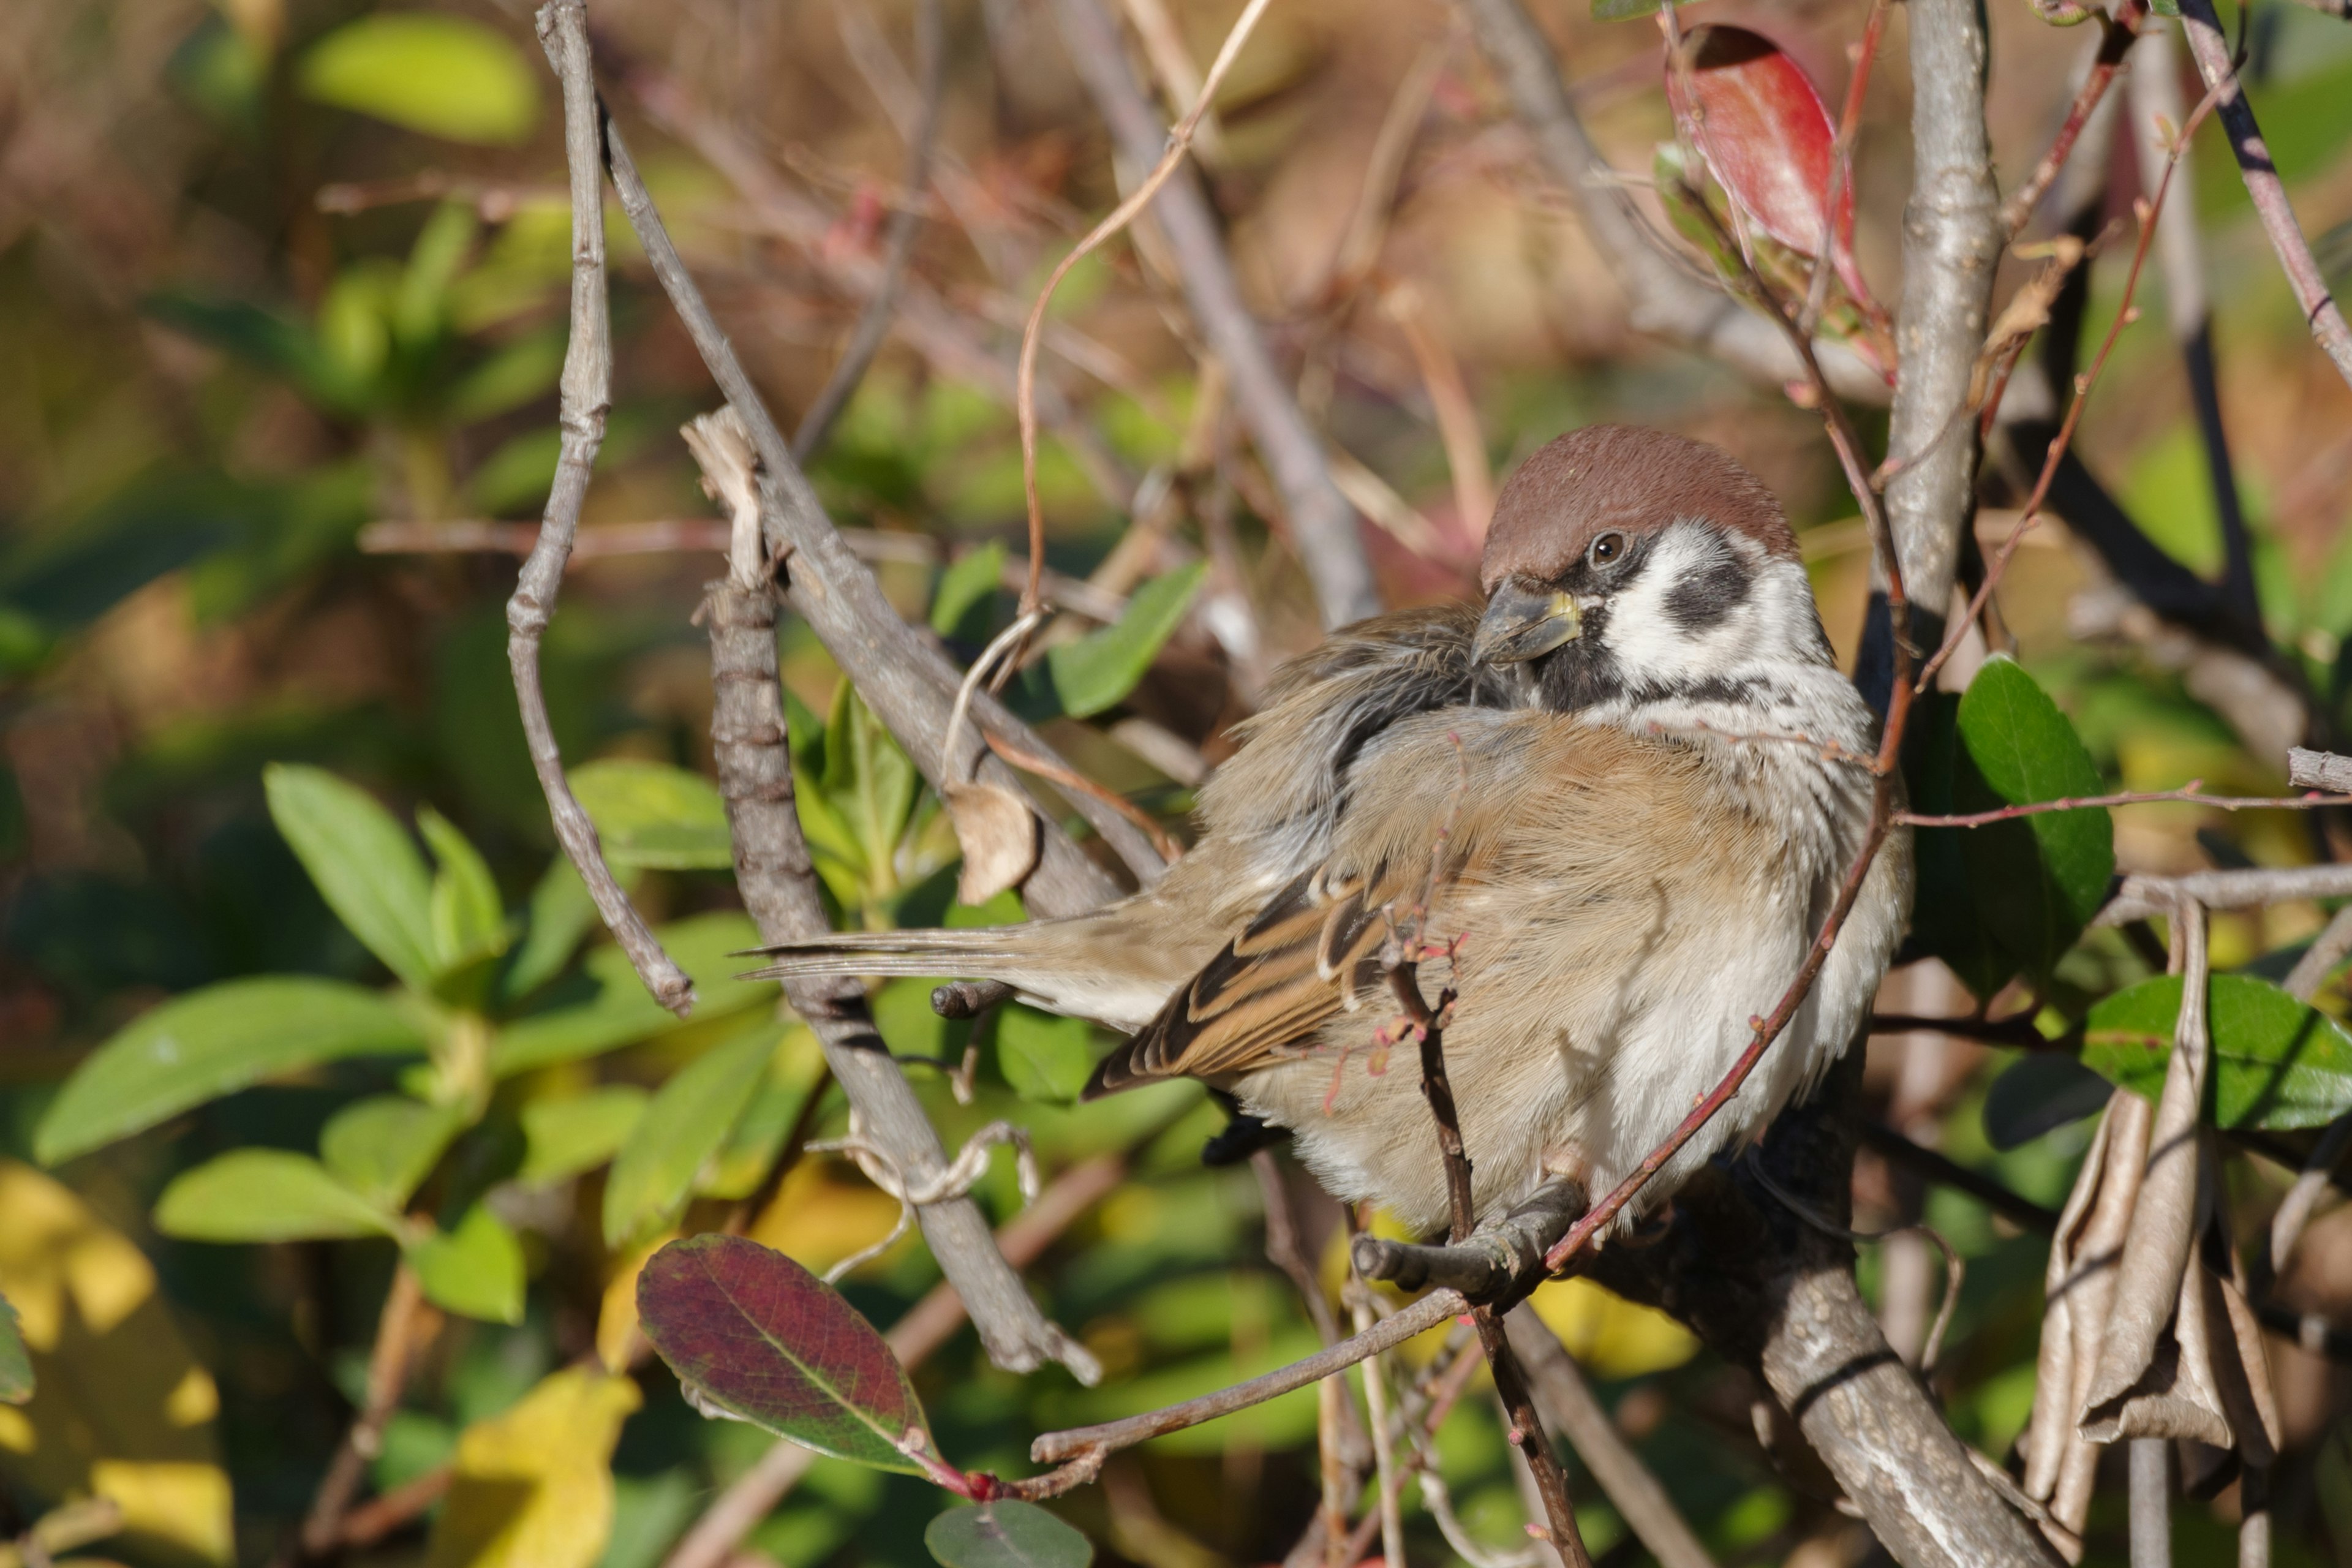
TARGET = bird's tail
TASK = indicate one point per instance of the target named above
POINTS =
(987, 953)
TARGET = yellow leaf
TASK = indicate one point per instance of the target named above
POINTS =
(533, 1485)
(121, 1407)
(824, 1212)
(1611, 1336)
(616, 1319)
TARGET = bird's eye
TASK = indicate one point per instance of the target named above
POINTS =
(1609, 547)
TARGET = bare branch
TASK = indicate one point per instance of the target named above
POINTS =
(1952, 240)
(2115, 35)
(1568, 1404)
(2152, 1502)
(2320, 312)
(1942, 1169)
(779, 886)
(2318, 770)
(908, 683)
(2142, 896)
(1664, 300)
(586, 395)
(407, 1322)
(1322, 525)
(897, 243)
(1056, 1448)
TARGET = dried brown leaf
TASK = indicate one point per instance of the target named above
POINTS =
(999, 834)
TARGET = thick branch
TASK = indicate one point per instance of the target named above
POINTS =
(1322, 523)
(908, 684)
(2320, 312)
(1663, 299)
(586, 395)
(1952, 239)
(1777, 1295)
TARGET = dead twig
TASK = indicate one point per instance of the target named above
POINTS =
(407, 1322)
(2116, 33)
(585, 397)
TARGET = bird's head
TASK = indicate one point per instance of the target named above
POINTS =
(1626, 564)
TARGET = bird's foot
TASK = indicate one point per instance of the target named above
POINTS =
(1497, 1266)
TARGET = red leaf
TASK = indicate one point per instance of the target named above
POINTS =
(763, 1339)
(1766, 135)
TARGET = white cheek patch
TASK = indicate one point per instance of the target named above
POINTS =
(1660, 628)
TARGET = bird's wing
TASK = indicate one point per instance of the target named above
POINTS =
(1490, 783)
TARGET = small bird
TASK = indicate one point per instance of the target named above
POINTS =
(1609, 813)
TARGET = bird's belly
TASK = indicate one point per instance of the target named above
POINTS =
(1581, 1081)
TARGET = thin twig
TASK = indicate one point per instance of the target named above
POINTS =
(1025, 385)
(2320, 312)
(1944, 1170)
(586, 394)
(400, 1327)
(2142, 896)
(2188, 794)
(1427, 1312)
(2116, 34)
(1322, 525)
(897, 243)
(903, 679)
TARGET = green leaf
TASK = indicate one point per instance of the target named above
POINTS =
(2039, 1094)
(384, 1146)
(688, 1119)
(1944, 919)
(2276, 1063)
(265, 1195)
(15, 1366)
(871, 786)
(560, 914)
(1103, 665)
(651, 815)
(747, 1156)
(765, 1340)
(968, 585)
(469, 920)
(617, 1011)
(365, 864)
(1043, 1056)
(563, 1138)
(475, 1271)
(2025, 750)
(442, 75)
(213, 1042)
(1005, 1533)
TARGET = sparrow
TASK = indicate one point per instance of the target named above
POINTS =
(1608, 811)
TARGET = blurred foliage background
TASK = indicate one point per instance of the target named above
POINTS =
(281, 310)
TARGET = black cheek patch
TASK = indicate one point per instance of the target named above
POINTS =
(1708, 594)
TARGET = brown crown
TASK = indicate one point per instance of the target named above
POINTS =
(1619, 476)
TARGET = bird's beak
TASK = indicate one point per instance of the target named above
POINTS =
(1521, 623)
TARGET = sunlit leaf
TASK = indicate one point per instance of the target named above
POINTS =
(475, 1271)
(1005, 1533)
(469, 919)
(16, 1365)
(365, 866)
(265, 1195)
(968, 585)
(1101, 668)
(1764, 132)
(383, 1146)
(563, 1138)
(2041, 1092)
(2276, 1063)
(2037, 881)
(213, 1042)
(561, 914)
(1043, 1056)
(765, 1340)
(744, 1159)
(654, 815)
(532, 1486)
(616, 1010)
(443, 75)
(684, 1125)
